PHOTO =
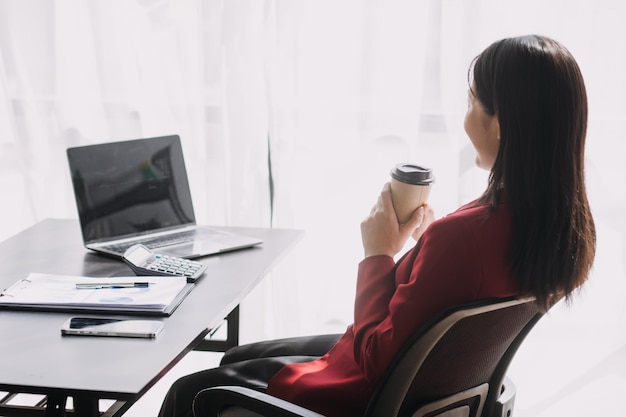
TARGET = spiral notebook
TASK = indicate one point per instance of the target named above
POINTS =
(148, 295)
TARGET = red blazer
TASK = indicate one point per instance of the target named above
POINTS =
(459, 259)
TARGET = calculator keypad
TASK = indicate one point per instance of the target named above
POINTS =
(175, 266)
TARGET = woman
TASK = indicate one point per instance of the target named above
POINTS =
(530, 234)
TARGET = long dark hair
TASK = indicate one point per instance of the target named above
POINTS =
(535, 87)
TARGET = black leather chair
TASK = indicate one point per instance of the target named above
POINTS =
(454, 367)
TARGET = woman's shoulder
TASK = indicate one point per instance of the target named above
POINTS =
(469, 246)
(473, 217)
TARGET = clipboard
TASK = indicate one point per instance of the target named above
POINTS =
(46, 292)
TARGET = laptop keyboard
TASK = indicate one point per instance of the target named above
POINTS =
(158, 242)
(169, 240)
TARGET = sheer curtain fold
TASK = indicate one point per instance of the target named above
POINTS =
(339, 91)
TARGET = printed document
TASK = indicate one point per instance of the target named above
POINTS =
(157, 294)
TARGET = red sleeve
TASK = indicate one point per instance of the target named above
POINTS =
(375, 287)
(392, 303)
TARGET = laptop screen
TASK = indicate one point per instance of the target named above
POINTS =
(130, 188)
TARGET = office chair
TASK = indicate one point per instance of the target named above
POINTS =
(454, 367)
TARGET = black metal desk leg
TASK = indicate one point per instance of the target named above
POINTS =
(86, 407)
(55, 406)
(232, 335)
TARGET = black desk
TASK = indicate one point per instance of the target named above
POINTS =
(35, 358)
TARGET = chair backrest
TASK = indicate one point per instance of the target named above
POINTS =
(456, 366)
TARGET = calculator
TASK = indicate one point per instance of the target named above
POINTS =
(144, 261)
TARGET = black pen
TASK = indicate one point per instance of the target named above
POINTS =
(101, 285)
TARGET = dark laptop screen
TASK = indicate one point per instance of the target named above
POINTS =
(130, 187)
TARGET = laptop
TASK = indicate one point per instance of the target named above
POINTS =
(137, 191)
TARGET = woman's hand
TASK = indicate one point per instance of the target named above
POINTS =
(429, 217)
(382, 234)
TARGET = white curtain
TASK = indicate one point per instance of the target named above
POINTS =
(332, 92)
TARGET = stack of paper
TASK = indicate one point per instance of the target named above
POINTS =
(149, 294)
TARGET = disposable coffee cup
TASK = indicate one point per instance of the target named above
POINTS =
(410, 188)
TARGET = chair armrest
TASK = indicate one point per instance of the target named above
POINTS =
(209, 402)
